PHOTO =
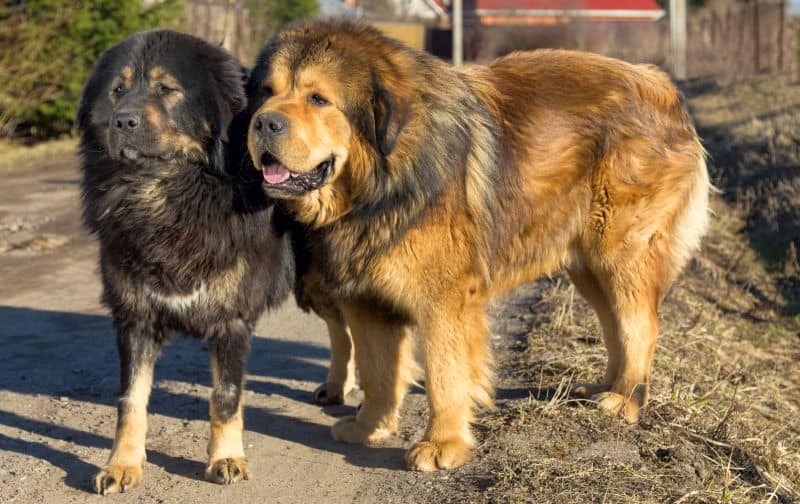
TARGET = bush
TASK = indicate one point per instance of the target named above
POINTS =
(47, 48)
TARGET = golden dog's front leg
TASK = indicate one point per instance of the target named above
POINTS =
(342, 372)
(226, 460)
(384, 358)
(457, 376)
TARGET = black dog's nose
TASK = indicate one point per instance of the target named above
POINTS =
(270, 123)
(127, 120)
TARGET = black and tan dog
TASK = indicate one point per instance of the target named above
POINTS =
(428, 190)
(184, 245)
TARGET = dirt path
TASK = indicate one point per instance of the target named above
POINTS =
(59, 379)
(720, 427)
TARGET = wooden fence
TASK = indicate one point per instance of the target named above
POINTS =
(222, 22)
(740, 41)
(725, 43)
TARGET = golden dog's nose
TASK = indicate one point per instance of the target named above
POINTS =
(270, 124)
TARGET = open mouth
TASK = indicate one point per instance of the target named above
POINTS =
(278, 176)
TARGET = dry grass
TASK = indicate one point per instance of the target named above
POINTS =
(723, 424)
(13, 154)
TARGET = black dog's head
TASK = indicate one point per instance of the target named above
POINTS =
(161, 97)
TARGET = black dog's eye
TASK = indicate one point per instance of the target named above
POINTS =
(118, 91)
(162, 90)
(318, 99)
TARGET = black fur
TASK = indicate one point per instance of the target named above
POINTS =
(177, 225)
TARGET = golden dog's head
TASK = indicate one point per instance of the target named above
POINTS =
(327, 108)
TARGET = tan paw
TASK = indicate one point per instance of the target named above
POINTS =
(331, 393)
(616, 404)
(587, 390)
(117, 479)
(227, 471)
(429, 456)
(348, 430)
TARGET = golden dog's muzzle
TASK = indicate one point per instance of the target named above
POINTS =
(267, 131)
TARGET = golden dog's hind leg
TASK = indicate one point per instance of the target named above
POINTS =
(342, 372)
(638, 331)
(226, 460)
(138, 351)
(638, 253)
(457, 376)
(634, 287)
(587, 286)
(384, 357)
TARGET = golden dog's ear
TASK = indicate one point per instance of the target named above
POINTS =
(390, 109)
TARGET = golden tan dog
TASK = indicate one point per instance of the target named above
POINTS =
(427, 190)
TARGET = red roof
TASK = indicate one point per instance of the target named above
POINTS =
(618, 5)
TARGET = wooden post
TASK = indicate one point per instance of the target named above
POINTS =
(208, 20)
(756, 38)
(743, 63)
(782, 15)
(677, 25)
(457, 27)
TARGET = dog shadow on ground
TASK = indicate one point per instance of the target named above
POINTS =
(78, 472)
(74, 356)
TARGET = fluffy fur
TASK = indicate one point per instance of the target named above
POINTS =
(184, 245)
(425, 191)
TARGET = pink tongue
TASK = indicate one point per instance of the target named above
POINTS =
(275, 173)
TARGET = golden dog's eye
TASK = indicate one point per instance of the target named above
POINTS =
(162, 90)
(318, 99)
(266, 92)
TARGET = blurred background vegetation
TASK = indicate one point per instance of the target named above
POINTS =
(47, 48)
(266, 17)
(51, 46)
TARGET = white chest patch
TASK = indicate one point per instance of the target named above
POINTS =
(177, 303)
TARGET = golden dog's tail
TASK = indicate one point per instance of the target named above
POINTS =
(691, 221)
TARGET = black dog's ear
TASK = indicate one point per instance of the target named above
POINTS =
(258, 74)
(390, 112)
(231, 76)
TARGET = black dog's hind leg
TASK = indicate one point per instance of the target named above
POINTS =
(139, 345)
(229, 348)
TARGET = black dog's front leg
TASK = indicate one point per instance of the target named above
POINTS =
(139, 345)
(229, 349)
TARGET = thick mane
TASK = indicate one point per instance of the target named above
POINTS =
(393, 192)
(187, 224)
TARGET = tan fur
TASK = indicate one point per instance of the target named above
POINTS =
(160, 75)
(341, 378)
(124, 468)
(318, 131)
(226, 460)
(570, 161)
(386, 369)
(153, 117)
(126, 77)
(183, 143)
